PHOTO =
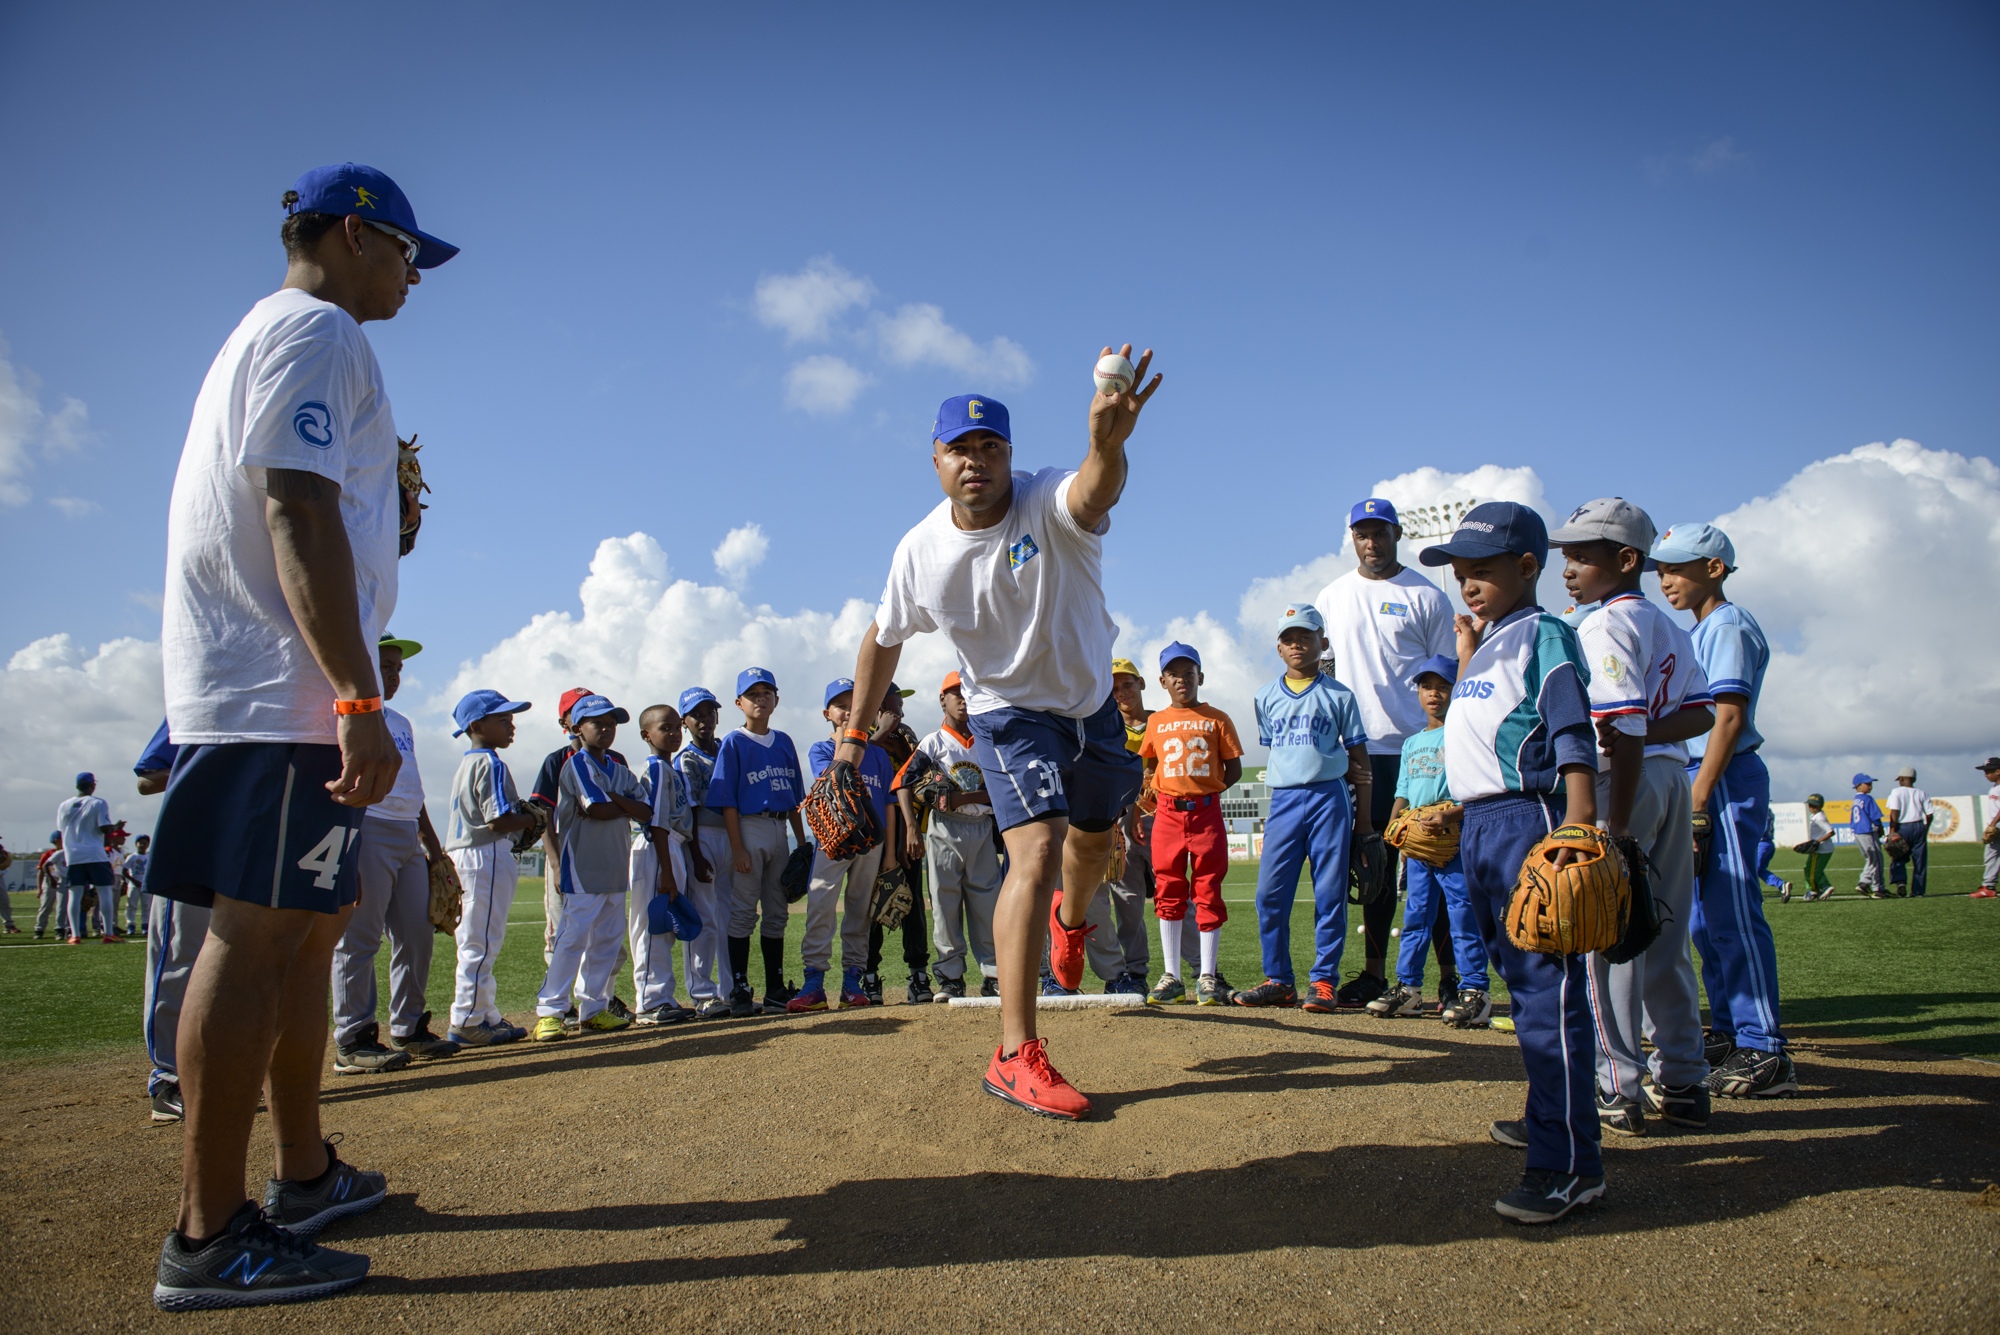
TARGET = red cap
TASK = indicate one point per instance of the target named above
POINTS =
(570, 697)
(951, 683)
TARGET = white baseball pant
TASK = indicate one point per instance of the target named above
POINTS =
(587, 945)
(488, 877)
(652, 956)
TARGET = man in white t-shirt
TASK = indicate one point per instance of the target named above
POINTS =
(1382, 619)
(1010, 568)
(1908, 810)
(282, 540)
(1989, 876)
(85, 820)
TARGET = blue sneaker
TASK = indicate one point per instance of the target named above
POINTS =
(251, 1263)
(1126, 984)
(1051, 988)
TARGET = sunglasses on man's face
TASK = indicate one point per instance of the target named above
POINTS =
(409, 243)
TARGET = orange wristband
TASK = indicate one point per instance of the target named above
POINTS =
(372, 705)
(855, 735)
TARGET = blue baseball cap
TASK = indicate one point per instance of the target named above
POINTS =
(1497, 528)
(349, 187)
(697, 695)
(55, 836)
(1440, 665)
(85, 777)
(596, 706)
(1694, 542)
(1373, 508)
(836, 688)
(754, 676)
(1178, 650)
(483, 704)
(970, 412)
(1860, 779)
(1302, 614)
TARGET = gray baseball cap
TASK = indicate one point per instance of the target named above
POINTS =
(1609, 519)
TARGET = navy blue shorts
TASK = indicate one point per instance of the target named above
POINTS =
(253, 821)
(1039, 764)
(90, 873)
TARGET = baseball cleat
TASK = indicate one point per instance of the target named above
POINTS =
(1514, 1135)
(1026, 1080)
(989, 986)
(251, 1263)
(1785, 892)
(1620, 1115)
(1051, 988)
(1684, 1105)
(607, 1021)
(715, 1008)
(778, 999)
(549, 1028)
(947, 988)
(871, 987)
(1211, 990)
(342, 1190)
(809, 1000)
(659, 1015)
(919, 991)
(1545, 1196)
(1167, 991)
(1472, 1008)
(1360, 990)
(1983, 892)
(1398, 1002)
(477, 1035)
(1270, 992)
(853, 999)
(741, 1003)
(1716, 1046)
(1750, 1074)
(421, 1044)
(167, 1105)
(1320, 998)
(1066, 948)
(366, 1055)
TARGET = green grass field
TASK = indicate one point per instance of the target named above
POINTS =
(1920, 972)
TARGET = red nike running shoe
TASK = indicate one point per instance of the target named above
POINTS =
(1026, 1080)
(1066, 947)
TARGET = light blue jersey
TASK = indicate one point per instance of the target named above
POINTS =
(1732, 651)
(1308, 731)
(1421, 780)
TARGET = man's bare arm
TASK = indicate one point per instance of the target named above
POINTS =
(316, 572)
(1100, 480)
(874, 669)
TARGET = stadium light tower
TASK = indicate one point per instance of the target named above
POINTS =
(1428, 523)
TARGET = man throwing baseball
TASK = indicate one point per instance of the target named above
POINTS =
(1010, 567)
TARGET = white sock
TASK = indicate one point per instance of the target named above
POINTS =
(1210, 943)
(1170, 944)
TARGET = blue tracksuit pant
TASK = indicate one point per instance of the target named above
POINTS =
(1313, 820)
(1739, 962)
(1551, 993)
(1427, 891)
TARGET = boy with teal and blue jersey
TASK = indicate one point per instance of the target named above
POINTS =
(1739, 961)
(1521, 758)
(1312, 724)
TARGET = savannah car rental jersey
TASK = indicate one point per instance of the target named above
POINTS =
(1734, 654)
(1308, 731)
(1642, 667)
(1520, 710)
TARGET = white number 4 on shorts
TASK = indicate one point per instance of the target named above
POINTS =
(326, 854)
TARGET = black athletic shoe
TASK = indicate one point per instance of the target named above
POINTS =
(715, 1008)
(920, 989)
(1270, 992)
(1716, 1047)
(366, 1055)
(1619, 1115)
(1686, 1105)
(1471, 1008)
(1514, 1135)
(776, 999)
(947, 988)
(1447, 989)
(741, 1003)
(1545, 1196)
(421, 1044)
(1359, 990)
(251, 1263)
(167, 1103)
(871, 987)
(343, 1190)
(1750, 1074)
(989, 986)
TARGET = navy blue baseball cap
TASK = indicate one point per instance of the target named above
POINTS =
(1497, 528)
(1178, 650)
(970, 412)
(836, 688)
(483, 704)
(1373, 508)
(1439, 665)
(1860, 779)
(754, 676)
(349, 187)
(85, 777)
(596, 706)
(695, 696)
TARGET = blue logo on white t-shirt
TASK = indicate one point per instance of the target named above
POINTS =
(1022, 552)
(1395, 609)
(314, 423)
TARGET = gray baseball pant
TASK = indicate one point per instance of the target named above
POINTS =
(54, 899)
(174, 933)
(1871, 862)
(762, 887)
(824, 894)
(1653, 996)
(395, 883)
(964, 870)
(705, 960)
(1989, 875)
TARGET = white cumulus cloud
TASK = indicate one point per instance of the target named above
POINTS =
(824, 385)
(918, 335)
(741, 551)
(26, 429)
(805, 304)
(74, 507)
(62, 711)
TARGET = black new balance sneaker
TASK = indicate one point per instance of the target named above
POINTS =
(305, 1208)
(250, 1263)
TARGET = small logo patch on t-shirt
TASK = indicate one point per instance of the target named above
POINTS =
(1395, 609)
(1022, 552)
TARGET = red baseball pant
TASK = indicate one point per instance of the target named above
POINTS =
(1190, 846)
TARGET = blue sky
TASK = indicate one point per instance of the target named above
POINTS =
(1671, 254)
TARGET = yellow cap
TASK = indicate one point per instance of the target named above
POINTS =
(1126, 665)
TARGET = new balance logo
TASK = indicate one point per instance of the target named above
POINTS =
(341, 1187)
(244, 1270)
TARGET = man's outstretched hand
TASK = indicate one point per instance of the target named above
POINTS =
(1112, 416)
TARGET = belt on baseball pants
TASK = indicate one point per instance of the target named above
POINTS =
(1193, 803)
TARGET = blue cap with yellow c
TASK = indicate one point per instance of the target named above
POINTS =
(349, 187)
(968, 413)
(1373, 508)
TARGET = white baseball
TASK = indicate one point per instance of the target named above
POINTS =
(1114, 374)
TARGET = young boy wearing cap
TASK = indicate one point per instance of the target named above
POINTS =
(757, 788)
(1312, 725)
(1430, 891)
(1864, 822)
(485, 812)
(597, 799)
(1731, 794)
(1909, 811)
(1643, 674)
(823, 893)
(1989, 838)
(1118, 948)
(133, 871)
(660, 866)
(546, 794)
(899, 740)
(1191, 755)
(957, 848)
(1819, 833)
(1521, 758)
(705, 959)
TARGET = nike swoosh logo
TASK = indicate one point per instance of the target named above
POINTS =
(1008, 1081)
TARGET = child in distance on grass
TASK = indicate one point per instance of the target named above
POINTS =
(824, 894)
(659, 866)
(956, 841)
(485, 813)
(597, 800)
(756, 785)
(1420, 782)
(1864, 821)
(1191, 755)
(1819, 832)
(896, 737)
(1312, 724)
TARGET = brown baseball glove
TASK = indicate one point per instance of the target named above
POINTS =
(841, 814)
(410, 478)
(447, 896)
(1432, 847)
(1579, 908)
(530, 834)
(891, 901)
